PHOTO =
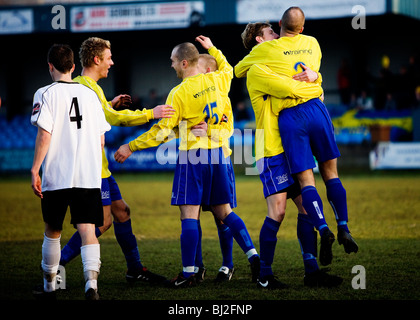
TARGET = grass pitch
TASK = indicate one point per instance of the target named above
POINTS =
(384, 213)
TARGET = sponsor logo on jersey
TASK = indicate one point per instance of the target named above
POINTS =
(299, 64)
(201, 93)
(35, 108)
(300, 51)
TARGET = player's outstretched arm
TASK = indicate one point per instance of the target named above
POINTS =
(122, 153)
(205, 42)
(280, 86)
(123, 100)
(307, 75)
(200, 130)
(163, 111)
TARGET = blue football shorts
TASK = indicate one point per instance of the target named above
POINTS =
(202, 177)
(275, 175)
(110, 191)
(306, 131)
(231, 176)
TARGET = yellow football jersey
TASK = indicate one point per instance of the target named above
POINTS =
(113, 117)
(284, 56)
(196, 98)
(220, 133)
(263, 86)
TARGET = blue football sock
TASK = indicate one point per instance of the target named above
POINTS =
(72, 249)
(313, 206)
(226, 244)
(336, 195)
(189, 241)
(268, 240)
(308, 243)
(199, 252)
(241, 235)
(128, 243)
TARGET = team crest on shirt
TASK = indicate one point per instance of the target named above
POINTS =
(35, 108)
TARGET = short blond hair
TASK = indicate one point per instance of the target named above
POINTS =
(208, 61)
(91, 48)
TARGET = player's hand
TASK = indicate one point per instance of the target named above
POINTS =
(122, 153)
(205, 42)
(121, 101)
(163, 111)
(307, 75)
(200, 130)
(36, 185)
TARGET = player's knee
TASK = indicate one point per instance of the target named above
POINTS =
(127, 210)
(276, 205)
(221, 211)
(122, 214)
(279, 215)
(277, 212)
(87, 233)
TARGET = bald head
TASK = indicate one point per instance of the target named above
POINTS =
(292, 20)
(184, 59)
(186, 51)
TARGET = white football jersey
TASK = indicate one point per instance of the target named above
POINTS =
(73, 114)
